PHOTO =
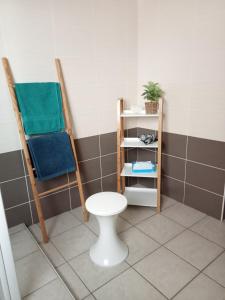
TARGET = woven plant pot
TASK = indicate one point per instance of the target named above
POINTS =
(151, 107)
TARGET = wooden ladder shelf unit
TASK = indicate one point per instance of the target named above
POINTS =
(138, 195)
(68, 129)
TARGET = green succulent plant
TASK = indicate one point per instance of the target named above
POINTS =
(152, 91)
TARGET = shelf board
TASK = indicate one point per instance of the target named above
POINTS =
(140, 195)
(136, 143)
(127, 171)
(131, 114)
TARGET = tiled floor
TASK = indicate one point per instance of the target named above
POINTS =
(37, 278)
(179, 254)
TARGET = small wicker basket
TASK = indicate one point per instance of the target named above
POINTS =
(151, 107)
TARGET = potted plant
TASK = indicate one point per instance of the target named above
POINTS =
(152, 93)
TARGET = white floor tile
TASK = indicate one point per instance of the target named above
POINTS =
(167, 272)
(92, 275)
(73, 282)
(135, 214)
(138, 243)
(22, 244)
(74, 241)
(54, 290)
(33, 272)
(160, 228)
(202, 288)
(216, 270)
(194, 249)
(212, 229)
(128, 286)
(184, 215)
(53, 254)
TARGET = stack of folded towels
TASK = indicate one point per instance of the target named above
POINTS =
(41, 109)
(143, 167)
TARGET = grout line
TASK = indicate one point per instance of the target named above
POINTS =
(81, 161)
(100, 161)
(193, 185)
(185, 170)
(28, 194)
(223, 205)
(17, 178)
(18, 206)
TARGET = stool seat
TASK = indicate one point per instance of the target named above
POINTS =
(106, 204)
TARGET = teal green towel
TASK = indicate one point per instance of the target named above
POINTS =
(40, 105)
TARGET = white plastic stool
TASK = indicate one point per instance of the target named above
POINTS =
(109, 250)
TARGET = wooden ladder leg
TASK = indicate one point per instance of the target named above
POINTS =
(70, 132)
(159, 155)
(10, 81)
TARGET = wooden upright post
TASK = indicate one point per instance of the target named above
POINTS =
(71, 135)
(159, 154)
(37, 200)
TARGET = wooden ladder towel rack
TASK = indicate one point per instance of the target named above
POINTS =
(68, 129)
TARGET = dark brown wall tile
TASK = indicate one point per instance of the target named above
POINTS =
(108, 164)
(91, 188)
(173, 167)
(131, 155)
(75, 197)
(141, 130)
(90, 169)
(174, 144)
(206, 151)
(130, 181)
(204, 201)
(18, 215)
(11, 165)
(144, 155)
(132, 132)
(147, 182)
(173, 188)
(88, 147)
(53, 205)
(109, 183)
(205, 177)
(43, 186)
(14, 192)
(108, 143)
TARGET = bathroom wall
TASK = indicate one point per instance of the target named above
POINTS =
(96, 41)
(181, 45)
(110, 49)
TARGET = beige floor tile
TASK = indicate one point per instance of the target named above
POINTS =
(167, 202)
(138, 243)
(77, 212)
(33, 272)
(216, 270)
(212, 229)
(61, 223)
(128, 286)
(73, 282)
(22, 244)
(53, 254)
(74, 241)
(16, 228)
(160, 228)
(92, 275)
(194, 249)
(135, 214)
(36, 232)
(54, 290)
(184, 215)
(202, 288)
(90, 297)
(167, 272)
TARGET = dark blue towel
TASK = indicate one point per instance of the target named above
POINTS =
(52, 155)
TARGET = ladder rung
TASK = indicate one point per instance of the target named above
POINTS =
(57, 188)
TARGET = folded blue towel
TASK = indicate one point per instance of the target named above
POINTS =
(52, 155)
